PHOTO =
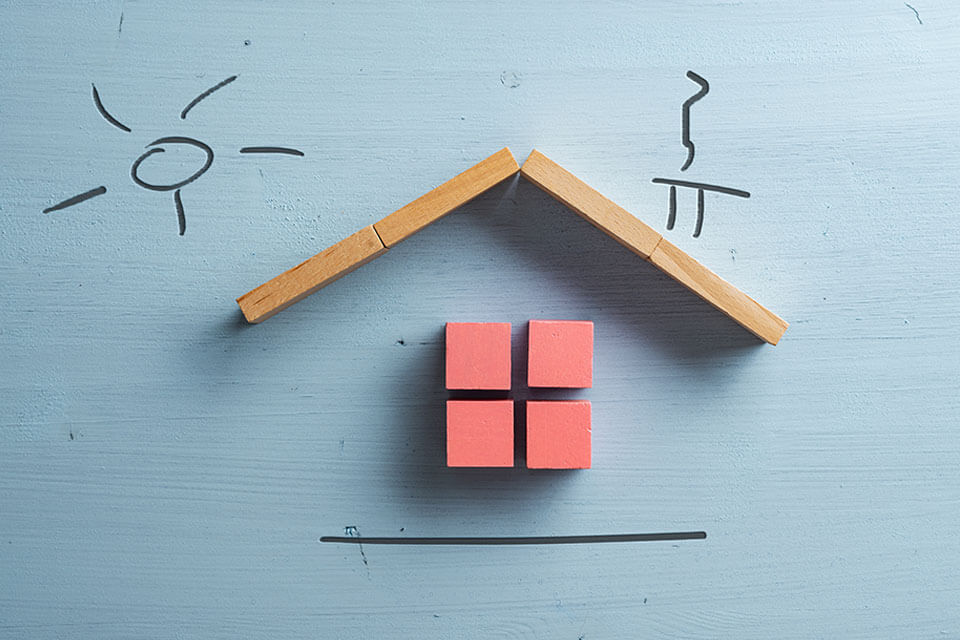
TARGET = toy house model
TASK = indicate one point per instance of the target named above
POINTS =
(374, 240)
(480, 430)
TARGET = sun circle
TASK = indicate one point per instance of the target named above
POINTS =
(152, 148)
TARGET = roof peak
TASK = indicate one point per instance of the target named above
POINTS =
(374, 240)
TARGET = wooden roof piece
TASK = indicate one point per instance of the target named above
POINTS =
(372, 241)
(650, 245)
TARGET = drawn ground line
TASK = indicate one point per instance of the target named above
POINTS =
(521, 540)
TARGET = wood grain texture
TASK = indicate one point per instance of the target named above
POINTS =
(750, 314)
(311, 275)
(167, 469)
(455, 192)
(593, 206)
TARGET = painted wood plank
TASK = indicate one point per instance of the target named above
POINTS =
(167, 469)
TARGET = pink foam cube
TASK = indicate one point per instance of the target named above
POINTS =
(478, 355)
(558, 434)
(560, 354)
(479, 433)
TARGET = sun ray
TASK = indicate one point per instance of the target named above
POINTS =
(193, 103)
(284, 150)
(106, 115)
(77, 199)
(181, 218)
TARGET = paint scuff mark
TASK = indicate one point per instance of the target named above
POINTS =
(510, 79)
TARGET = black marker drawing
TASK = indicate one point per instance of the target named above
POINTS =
(701, 187)
(69, 202)
(181, 218)
(704, 89)
(353, 537)
(672, 216)
(915, 12)
(193, 103)
(291, 152)
(171, 140)
(155, 147)
(106, 114)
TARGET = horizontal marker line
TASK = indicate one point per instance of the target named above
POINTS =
(704, 186)
(593, 539)
(284, 150)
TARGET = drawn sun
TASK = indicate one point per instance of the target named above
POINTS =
(160, 145)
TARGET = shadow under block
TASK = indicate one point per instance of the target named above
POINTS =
(558, 434)
(310, 275)
(478, 355)
(430, 207)
(479, 433)
(595, 208)
(560, 354)
(760, 321)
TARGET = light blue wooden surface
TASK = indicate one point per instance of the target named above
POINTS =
(166, 471)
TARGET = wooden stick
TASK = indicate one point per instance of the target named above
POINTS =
(407, 220)
(749, 313)
(374, 240)
(370, 242)
(647, 243)
(314, 273)
(615, 221)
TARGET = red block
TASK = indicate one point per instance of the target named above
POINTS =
(560, 354)
(479, 433)
(478, 355)
(558, 434)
